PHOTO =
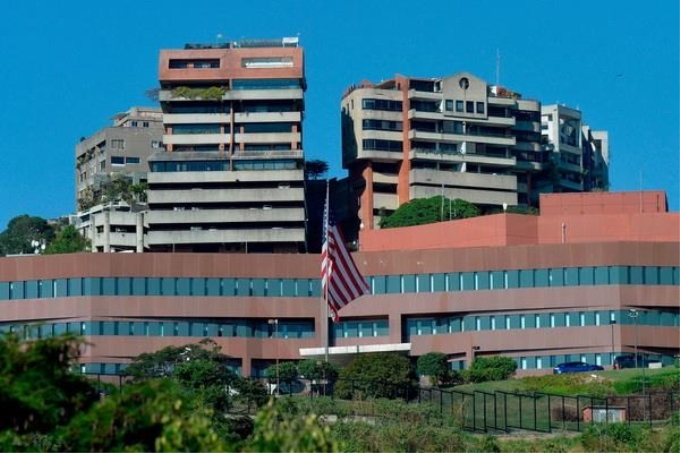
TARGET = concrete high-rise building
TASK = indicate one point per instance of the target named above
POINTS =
(121, 149)
(457, 136)
(581, 154)
(108, 164)
(231, 176)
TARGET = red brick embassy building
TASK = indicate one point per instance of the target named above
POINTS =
(540, 289)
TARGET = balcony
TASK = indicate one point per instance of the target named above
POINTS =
(462, 180)
(195, 139)
(196, 118)
(192, 178)
(268, 117)
(236, 236)
(198, 196)
(451, 157)
(445, 137)
(265, 213)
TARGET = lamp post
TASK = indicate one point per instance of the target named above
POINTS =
(612, 323)
(275, 323)
(635, 314)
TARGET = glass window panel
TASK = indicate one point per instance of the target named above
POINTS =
(571, 276)
(439, 282)
(393, 284)
(456, 324)
(601, 275)
(366, 328)
(586, 276)
(651, 275)
(274, 287)
(666, 275)
(108, 286)
(109, 328)
(618, 275)
(168, 286)
(468, 281)
(196, 329)
(4, 290)
(351, 329)
(409, 283)
(454, 281)
(138, 286)
(31, 289)
(124, 286)
(153, 286)
(379, 284)
(315, 287)
(526, 278)
(288, 287)
(258, 287)
(198, 286)
(183, 286)
(154, 329)
(212, 286)
(676, 275)
(468, 324)
(556, 276)
(228, 286)
(636, 275)
(382, 328)
(529, 321)
(512, 277)
(243, 287)
(541, 278)
(183, 329)
(59, 328)
(497, 280)
(16, 290)
(424, 283)
(482, 280)
(45, 330)
(244, 330)
(46, 288)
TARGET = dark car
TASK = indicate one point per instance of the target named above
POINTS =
(575, 367)
(628, 361)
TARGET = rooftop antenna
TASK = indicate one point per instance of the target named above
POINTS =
(498, 67)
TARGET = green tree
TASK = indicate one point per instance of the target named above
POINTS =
(315, 169)
(495, 368)
(377, 375)
(38, 391)
(315, 369)
(153, 415)
(421, 211)
(435, 366)
(20, 233)
(284, 372)
(68, 240)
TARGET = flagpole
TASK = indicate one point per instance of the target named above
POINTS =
(324, 302)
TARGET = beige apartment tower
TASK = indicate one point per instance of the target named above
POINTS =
(231, 177)
(457, 136)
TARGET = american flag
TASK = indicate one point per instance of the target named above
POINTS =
(341, 281)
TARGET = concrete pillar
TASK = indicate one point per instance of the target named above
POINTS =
(139, 231)
(107, 232)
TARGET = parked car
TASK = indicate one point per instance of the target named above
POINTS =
(628, 361)
(575, 367)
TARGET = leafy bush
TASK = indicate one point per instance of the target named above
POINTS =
(378, 375)
(490, 369)
(435, 366)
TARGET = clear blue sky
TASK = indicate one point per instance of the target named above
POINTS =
(68, 66)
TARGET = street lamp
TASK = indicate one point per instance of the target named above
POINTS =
(635, 314)
(275, 322)
(613, 323)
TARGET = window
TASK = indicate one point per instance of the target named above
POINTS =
(117, 160)
(381, 104)
(155, 144)
(145, 124)
(459, 106)
(469, 107)
(267, 62)
(132, 160)
(449, 105)
(480, 108)
(118, 143)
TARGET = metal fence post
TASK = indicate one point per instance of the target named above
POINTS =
(520, 411)
(484, 402)
(549, 416)
(495, 410)
(474, 411)
(535, 417)
(505, 410)
(578, 414)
